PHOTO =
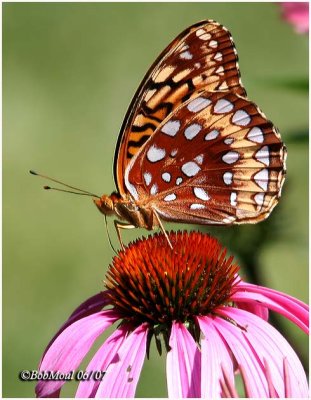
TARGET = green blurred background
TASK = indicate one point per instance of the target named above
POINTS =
(69, 72)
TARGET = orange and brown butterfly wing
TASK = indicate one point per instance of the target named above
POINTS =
(215, 160)
(201, 57)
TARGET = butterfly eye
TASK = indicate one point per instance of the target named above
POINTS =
(105, 205)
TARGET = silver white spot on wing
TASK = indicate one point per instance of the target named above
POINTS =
(233, 198)
(255, 135)
(212, 135)
(223, 86)
(218, 57)
(197, 206)
(166, 177)
(202, 34)
(230, 157)
(192, 130)
(131, 188)
(198, 104)
(228, 140)
(200, 193)
(170, 197)
(213, 44)
(154, 189)
(186, 55)
(184, 47)
(197, 65)
(171, 128)
(147, 178)
(241, 118)
(262, 178)
(222, 106)
(155, 154)
(262, 155)
(259, 198)
(220, 70)
(173, 152)
(228, 178)
(199, 159)
(190, 168)
(178, 180)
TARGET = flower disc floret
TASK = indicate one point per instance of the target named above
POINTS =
(150, 282)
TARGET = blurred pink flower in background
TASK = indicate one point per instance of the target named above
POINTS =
(296, 14)
(212, 323)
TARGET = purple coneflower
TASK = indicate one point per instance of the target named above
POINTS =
(191, 298)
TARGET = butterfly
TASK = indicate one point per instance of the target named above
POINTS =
(192, 147)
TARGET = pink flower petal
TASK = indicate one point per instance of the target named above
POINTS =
(270, 346)
(70, 347)
(122, 375)
(88, 307)
(244, 355)
(214, 358)
(254, 308)
(291, 308)
(183, 364)
(106, 355)
(98, 300)
(273, 294)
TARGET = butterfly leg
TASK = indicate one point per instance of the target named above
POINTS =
(162, 228)
(122, 225)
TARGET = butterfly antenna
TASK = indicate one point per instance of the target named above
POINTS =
(109, 239)
(79, 191)
(67, 191)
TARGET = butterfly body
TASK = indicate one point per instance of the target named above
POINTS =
(192, 147)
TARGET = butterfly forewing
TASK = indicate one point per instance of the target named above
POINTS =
(201, 57)
(216, 159)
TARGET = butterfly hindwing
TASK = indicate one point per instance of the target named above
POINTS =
(216, 160)
(201, 57)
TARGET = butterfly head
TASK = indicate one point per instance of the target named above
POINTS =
(106, 204)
